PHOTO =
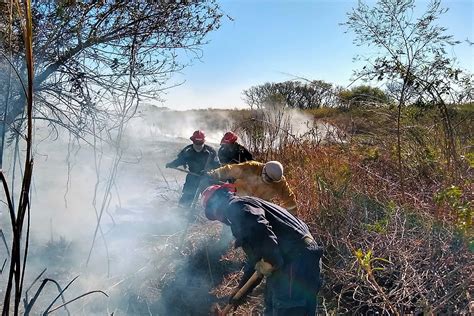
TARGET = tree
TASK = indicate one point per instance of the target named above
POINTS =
(258, 96)
(296, 94)
(363, 95)
(411, 55)
(84, 53)
(85, 66)
(411, 51)
(324, 92)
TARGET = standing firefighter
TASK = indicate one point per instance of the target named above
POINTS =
(277, 244)
(198, 158)
(231, 151)
(263, 180)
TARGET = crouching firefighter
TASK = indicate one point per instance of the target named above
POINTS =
(278, 246)
(199, 158)
(263, 180)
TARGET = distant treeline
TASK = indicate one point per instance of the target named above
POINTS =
(317, 93)
(312, 94)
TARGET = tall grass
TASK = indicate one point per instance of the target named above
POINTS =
(387, 253)
(18, 253)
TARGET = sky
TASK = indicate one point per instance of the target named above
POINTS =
(278, 40)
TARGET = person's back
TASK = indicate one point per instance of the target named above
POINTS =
(250, 181)
(289, 229)
(231, 152)
(278, 245)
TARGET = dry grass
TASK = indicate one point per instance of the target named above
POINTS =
(386, 252)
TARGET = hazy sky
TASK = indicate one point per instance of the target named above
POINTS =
(270, 41)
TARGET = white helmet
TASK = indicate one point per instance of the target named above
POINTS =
(272, 171)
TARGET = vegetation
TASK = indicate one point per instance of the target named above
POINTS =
(411, 51)
(88, 55)
(362, 95)
(19, 250)
(295, 94)
(85, 65)
(386, 253)
(412, 60)
(387, 190)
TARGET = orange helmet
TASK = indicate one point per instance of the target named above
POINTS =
(198, 137)
(229, 138)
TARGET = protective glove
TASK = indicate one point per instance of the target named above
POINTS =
(168, 165)
(264, 268)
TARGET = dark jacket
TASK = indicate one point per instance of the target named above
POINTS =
(265, 230)
(233, 153)
(196, 162)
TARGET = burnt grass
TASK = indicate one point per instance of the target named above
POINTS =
(189, 292)
(195, 274)
(184, 273)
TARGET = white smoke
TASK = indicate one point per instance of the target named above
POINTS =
(166, 125)
(141, 223)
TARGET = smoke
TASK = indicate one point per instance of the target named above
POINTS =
(300, 122)
(178, 126)
(304, 126)
(139, 256)
(63, 221)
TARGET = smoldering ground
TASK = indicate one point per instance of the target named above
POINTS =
(141, 256)
(149, 256)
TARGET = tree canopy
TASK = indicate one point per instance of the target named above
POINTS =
(411, 50)
(363, 95)
(89, 54)
(295, 94)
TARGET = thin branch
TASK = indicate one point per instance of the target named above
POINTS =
(75, 299)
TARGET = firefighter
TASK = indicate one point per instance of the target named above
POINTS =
(277, 244)
(231, 152)
(263, 180)
(198, 158)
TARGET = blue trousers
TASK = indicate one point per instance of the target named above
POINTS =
(193, 185)
(292, 289)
